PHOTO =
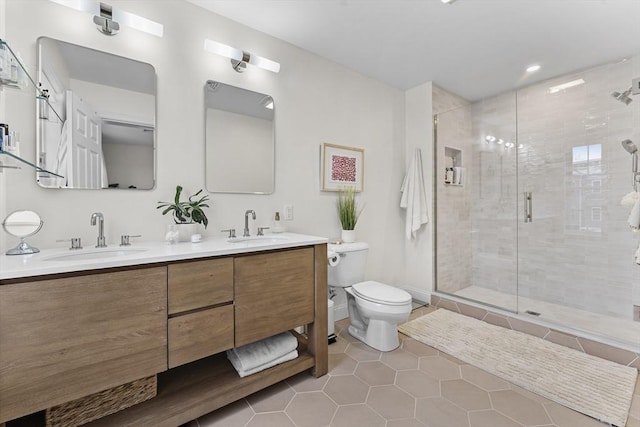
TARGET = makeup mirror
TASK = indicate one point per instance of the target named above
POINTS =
(239, 140)
(22, 224)
(97, 129)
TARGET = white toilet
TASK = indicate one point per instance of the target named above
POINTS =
(375, 309)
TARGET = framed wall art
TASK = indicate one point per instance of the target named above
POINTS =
(341, 167)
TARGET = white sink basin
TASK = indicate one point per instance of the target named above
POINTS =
(259, 239)
(83, 255)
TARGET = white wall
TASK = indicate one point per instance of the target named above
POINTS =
(317, 100)
(419, 134)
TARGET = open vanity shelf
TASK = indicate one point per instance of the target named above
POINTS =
(191, 390)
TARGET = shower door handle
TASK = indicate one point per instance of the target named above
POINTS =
(528, 206)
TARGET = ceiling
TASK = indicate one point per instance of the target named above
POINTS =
(475, 48)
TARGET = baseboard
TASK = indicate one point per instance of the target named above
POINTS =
(419, 294)
(340, 312)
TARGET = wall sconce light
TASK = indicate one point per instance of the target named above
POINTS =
(105, 21)
(108, 19)
(240, 58)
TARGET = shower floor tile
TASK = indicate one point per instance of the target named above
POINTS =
(610, 329)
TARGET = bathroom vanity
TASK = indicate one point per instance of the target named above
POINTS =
(73, 323)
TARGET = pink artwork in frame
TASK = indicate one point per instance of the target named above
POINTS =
(341, 167)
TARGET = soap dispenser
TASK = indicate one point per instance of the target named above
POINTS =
(277, 224)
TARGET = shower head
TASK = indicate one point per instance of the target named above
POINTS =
(628, 145)
(623, 97)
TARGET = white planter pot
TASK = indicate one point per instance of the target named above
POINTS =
(185, 231)
(348, 236)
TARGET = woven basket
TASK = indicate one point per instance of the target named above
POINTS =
(101, 404)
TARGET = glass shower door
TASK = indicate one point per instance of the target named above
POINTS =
(575, 256)
(476, 217)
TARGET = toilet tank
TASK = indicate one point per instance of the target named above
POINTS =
(350, 268)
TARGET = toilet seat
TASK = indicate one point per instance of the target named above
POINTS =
(380, 293)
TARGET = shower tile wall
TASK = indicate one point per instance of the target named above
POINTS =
(578, 250)
(454, 223)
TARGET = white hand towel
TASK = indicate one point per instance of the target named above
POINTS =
(414, 198)
(285, 358)
(629, 199)
(258, 353)
(634, 218)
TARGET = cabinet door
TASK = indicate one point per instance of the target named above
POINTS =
(200, 334)
(197, 284)
(273, 293)
(62, 339)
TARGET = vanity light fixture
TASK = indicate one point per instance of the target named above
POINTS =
(240, 58)
(447, 1)
(567, 85)
(108, 19)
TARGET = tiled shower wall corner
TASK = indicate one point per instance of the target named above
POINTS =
(594, 348)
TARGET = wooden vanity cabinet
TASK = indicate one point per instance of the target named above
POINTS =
(65, 338)
(200, 309)
(274, 292)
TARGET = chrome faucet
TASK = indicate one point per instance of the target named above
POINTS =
(101, 239)
(246, 222)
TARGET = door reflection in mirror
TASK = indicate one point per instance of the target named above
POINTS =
(239, 140)
(100, 132)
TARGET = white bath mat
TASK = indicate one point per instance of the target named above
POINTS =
(590, 385)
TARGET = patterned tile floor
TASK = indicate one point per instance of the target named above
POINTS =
(413, 386)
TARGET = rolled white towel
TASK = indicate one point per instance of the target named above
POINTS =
(630, 199)
(243, 373)
(261, 352)
(634, 217)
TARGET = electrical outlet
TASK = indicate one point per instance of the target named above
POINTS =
(288, 212)
(635, 86)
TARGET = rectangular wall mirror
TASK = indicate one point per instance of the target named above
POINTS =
(239, 140)
(97, 129)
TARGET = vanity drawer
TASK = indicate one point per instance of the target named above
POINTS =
(200, 334)
(198, 284)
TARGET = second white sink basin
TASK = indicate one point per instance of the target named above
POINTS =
(82, 255)
(259, 239)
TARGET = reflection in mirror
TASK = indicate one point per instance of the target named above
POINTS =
(22, 224)
(98, 128)
(239, 140)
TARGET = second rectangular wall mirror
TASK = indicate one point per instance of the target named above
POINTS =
(239, 140)
(98, 128)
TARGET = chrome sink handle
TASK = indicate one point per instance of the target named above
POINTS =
(76, 242)
(124, 239)
(261, 230)
(231, 231)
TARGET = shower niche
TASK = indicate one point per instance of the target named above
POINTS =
(454, 172)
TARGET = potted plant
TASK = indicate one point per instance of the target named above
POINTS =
(348, 213)
(186, 214)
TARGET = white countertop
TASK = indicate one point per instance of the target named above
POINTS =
(42, 263)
